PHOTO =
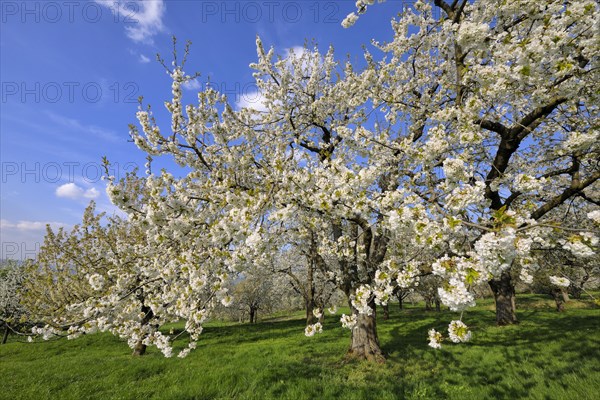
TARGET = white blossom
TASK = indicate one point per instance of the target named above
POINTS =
(559, 281)
(435, 339)
(458, 332)
(310, 330)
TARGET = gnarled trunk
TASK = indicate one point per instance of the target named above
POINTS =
(253, 312)
(565, 295)
(6, 332)
(504, 296)
(386, 312)
(365, 342)
(139, 349)
(310, 307)
(428, 303)
(559, 299)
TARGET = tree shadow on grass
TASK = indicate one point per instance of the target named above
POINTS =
(500, 360)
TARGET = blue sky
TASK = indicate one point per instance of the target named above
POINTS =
(71, 73)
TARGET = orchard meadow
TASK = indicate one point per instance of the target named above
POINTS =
(422, 223)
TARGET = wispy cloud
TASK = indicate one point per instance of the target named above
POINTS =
(144, 59)
(254, 100)
(143, 18)
(23, 239)
(75, 192)
(75, 125)
(193, 84)
(29, 225)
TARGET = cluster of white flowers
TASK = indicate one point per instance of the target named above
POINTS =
(559, 281)
(496, 250)
(456, 296)
(455, 169)
(46, 331)
(348, 321)
(361, 299)
(525, 276)
(435, 339)
(466, 195)
(332, 310)
(310, 330)
(318, 313)
(350, 20)
(581, 245)
(96, 281)
(361, 8)
(526, 183)
(594, 216)
(458, 332)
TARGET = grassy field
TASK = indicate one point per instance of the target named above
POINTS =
(548, 356)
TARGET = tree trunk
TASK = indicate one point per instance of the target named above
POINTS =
(5, 336)
(438, 305)
(558, 295)
(386, 312)
(428, 302)
(504, 296)
(139, 349)
(364, 341)
(565, 295)
(310, 306)
(252, 312)
(576, 291)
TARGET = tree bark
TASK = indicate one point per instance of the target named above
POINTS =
(310, 306)
(565, 295)
(5, 336)
(252, 315)
(576, 291)
(386, 312)
(140, 349)
(365, 342)
(438, 304)
(428, 301)
(504, 296)
(558, 295)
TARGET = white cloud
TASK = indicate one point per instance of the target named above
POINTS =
(144, 59)
(72, 191)
(298, 53)
(23, 239)
(92, 130)
(254, 100)
(194, 84)
(29, 225)
(142, 18)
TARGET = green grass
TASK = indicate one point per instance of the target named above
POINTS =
(548, 356)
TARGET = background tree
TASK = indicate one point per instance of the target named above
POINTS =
(13, 315)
